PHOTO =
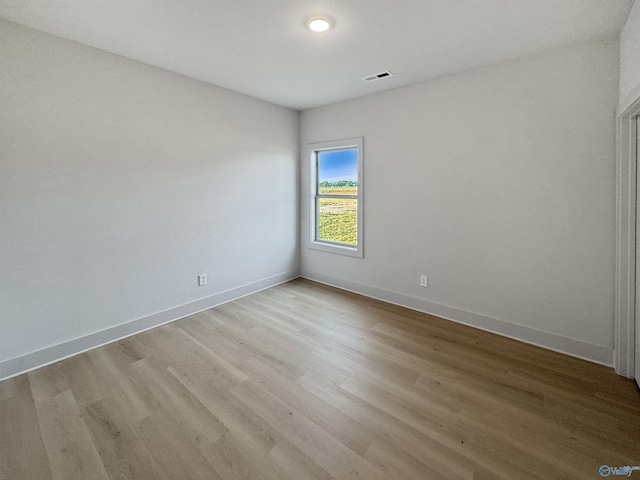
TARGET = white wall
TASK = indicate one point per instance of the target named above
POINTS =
(630, 57)
(119, 183)
(496, 183)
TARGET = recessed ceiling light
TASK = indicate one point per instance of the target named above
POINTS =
(319, 24)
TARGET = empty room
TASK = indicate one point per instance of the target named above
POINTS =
(318, 240)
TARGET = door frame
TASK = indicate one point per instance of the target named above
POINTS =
(625, 282)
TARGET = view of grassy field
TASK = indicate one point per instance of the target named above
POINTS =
(353, 190)
(338, 216)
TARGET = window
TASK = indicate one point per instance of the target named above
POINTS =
(336, 196)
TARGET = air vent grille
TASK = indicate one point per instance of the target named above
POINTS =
(377, 76)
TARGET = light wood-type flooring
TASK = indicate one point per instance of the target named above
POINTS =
(303, 381)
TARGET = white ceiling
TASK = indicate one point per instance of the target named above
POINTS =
(262, 48)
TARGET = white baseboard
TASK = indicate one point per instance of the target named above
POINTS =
(550, 341)
(40, 358)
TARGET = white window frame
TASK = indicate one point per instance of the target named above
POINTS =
(325, 246)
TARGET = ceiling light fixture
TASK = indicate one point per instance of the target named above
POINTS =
(319, 24)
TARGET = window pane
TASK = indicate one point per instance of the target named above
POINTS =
(338, 172)
(338, 220)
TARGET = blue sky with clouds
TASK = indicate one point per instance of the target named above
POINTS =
(338, 165)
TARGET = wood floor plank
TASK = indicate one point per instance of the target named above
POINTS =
(232, 462)
(251, 346)
(47, 382)
(506, 448)
(396, 463)
(173, 396)
(12, 387)
(307, 382)
(449, 462)
(297, 351)
(363, 358)
(174, 447)
(295, 464)
(236, 315)
(22, 452)
(324, 449)
(134, 397)
(123, 454)
(241, 421)
(432, 421)
(210, 333)
(273, 313)
(180, 347)
(351, 433)
(68, 443)
(87, 382)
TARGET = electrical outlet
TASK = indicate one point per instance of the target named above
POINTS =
(202, 279)
(423, 281)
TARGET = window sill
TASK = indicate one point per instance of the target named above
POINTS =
(339, 249)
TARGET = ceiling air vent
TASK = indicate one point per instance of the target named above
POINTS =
(377, 76)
